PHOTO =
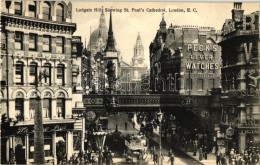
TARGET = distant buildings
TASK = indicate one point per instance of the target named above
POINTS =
(240, 81)
(129, 76)
(37, 40)
(185, 60)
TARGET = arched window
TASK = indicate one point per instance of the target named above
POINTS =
(19, 106)
(61, 105)
(60, 74)
(19, 73)
(47, 73)
(60, 13)
(46, 14)
(46, 112)
(33, 104)
(33, 73)
(32, 8)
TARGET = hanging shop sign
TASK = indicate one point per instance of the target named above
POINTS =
(230, 131)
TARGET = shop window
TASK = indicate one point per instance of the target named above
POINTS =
(46, 112)
(59, 13)
(59, 45)
(18, 8)
(33, 74)
(61, 107)
(46, 14)
(32, 9)
(18, 41)
(46, 47)
(60, 74)
(200, 84)
(19, 73)
(32, 41)
(47, 73)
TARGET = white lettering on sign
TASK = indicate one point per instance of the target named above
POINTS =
(201, 48)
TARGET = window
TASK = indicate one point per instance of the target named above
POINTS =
(60, 74)
(200, 84)
(189, 84)
(19, 109)
(32, 9)
(46, 11)
(46, 113)
(32, 41)
(18, 40)
(211, 84)
(32, 107)
(47, 73)
(59, 13)
(61, 107)
(33, 73)
(18, 8)
(19, 73)
(46, 47)
(59, 45)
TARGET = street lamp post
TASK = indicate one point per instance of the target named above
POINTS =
(159, 116)
(100, 138)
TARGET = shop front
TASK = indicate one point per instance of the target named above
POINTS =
(58, 143)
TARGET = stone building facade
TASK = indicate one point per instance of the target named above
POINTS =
(185, 60)
(37, 47)
(240, 118)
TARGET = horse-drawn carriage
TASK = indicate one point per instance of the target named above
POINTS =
(136, 148)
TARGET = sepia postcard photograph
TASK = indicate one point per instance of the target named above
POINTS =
(130, 83)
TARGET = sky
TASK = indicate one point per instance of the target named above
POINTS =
(126, 25)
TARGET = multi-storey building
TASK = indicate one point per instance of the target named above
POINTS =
(240, 81)
(37, 60)
(185, 60)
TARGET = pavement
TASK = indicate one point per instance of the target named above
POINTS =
(181, 157)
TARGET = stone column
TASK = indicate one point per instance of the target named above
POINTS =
(12, 108)
(54, 82)
(69, 144)
(83, 135)
(54, 147)
(54, 114)
(27, 148)
(53, 44)
(26, 42)
(40, 42)
(68, 108)
(26, 109)
(242, 142)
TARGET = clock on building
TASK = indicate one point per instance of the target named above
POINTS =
(90, 116)
(140, 60)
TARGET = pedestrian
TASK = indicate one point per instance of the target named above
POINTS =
(218, 158)
(171, 156)
(125, 125)
(200, 154)
(205, 152)
(108, 158)
(223, 160)
(155, 158)
(134, 125)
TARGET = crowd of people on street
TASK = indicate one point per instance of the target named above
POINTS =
(248, 157)
(90, 158)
